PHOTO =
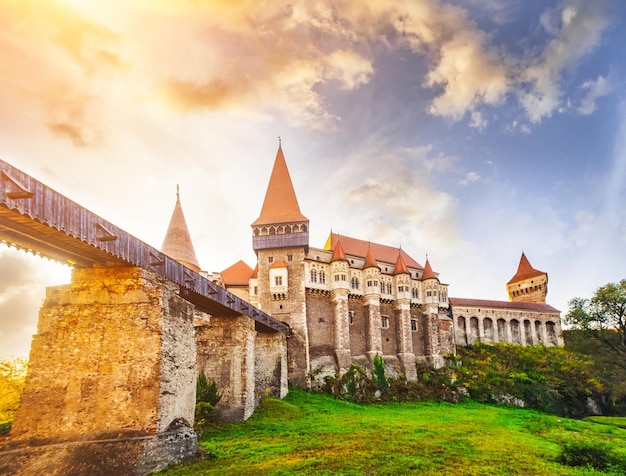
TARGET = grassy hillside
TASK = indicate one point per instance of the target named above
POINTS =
(316, 434)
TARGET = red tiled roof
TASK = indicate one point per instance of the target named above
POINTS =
(177, 242)
(400, 267)
(529, 306)
(255, 273)
(280, 204)
(356, 247)
(525, 271)
(238, 274)
(278, 264)
(428, 271)
(338, 253)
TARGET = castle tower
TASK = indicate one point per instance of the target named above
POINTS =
(371, 306)
(177, 242)
(528, 284)
(340, 271)
(280, 238)
(404, 338)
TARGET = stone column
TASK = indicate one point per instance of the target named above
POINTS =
(481, 328)
(270, 365)
(226, 355)
(509, 333)
(404, 339)
(113, 359)
(341, 329)
(373, 338)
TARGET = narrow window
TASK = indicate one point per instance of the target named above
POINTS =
(351, 317)
(384, 322)
(322, 277)
(413, 325)
(313, 276)
(270, 259)
(289, 257)
(278, 280)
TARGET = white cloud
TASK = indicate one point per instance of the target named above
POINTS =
(575, 27)
(596, 89)
(469, 178)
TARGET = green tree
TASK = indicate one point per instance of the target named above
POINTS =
(12, 376)
(603, 317)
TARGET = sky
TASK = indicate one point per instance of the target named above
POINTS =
(465, 130)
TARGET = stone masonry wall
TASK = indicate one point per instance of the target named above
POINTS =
(114, 353)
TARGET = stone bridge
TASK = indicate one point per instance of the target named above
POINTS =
(113, 365)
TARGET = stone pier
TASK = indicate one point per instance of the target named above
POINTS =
(111, 381)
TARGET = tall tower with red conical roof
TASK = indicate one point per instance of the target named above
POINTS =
(177, 242)
(528, 284)
(280, 238)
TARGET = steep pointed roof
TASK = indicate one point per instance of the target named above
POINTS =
(177, 242)
(360, 248)
(370, 261)
(238, 274)
(525, 270)
(280, 204)
(255, 273)
(338, 253)
(428, 271)
(400, 267)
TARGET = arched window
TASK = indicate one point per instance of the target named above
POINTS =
(322, 277)
(415, 293)
(389, 288)
(313, 276)
(355, 283)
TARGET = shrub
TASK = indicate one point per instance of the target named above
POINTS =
(379, 373)
(590, 455)
(207, 396)
(5, 428)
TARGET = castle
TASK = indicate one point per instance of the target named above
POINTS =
(352, 300)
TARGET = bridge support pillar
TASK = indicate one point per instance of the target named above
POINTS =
(226, 355)
(111, 380)
(270, 364)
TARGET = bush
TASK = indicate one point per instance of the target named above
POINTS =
(207, 397)
(379, 373)
(590, 455)
(5, 428)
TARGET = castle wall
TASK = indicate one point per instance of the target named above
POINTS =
(358, 345)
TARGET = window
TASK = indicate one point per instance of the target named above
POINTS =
(313, 276)
(289, 257)
(278, 280)
(400, 289)
(369, 284)
(354, 284)
(382, 288)
(428, 293)
(343, 277)
(351, 317)
(389, 288)
(384, 321)
(256, 290)
(413, 325)
(270, 259)
(322, 277)
(337, 277)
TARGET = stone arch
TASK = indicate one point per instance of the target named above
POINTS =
(461, 333)
(501, 331)
(516, 332)
(488, 330)
(528, 332)
(551, 333)
(541, 339)
(474, 332)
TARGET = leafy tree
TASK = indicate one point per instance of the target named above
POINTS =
(603, 317)
(12, 376)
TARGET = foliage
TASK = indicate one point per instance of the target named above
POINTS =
(207, 397)
(604, 365)
(206, 391)
(591, 455)
(12, 377)
(316, 434)
(603, 317)
(549, 379)
(379, 373)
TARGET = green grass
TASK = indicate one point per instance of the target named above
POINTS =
(619, 422)
(315, 434)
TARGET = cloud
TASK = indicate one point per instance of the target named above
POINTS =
(602, 86)
(469, 178)
(575, 28)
